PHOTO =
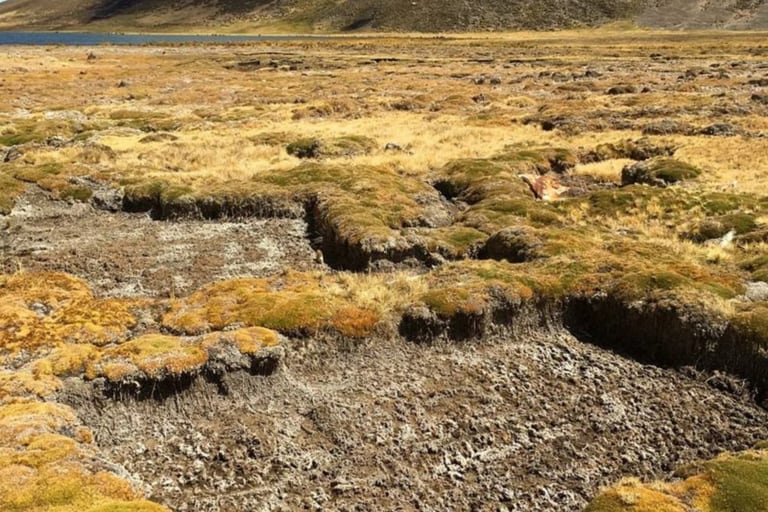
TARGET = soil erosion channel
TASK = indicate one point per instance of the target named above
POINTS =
(534, 422)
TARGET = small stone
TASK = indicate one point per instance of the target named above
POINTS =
(56, 142)
(11, 155)
(391, 146)
(757, 291)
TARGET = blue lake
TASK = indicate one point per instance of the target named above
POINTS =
(93, 39)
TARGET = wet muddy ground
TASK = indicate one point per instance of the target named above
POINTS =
(539, 423)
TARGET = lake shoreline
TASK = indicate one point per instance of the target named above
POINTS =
(54, 38)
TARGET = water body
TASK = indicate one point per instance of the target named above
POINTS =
(93, 39)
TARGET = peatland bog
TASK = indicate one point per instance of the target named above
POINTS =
(489, 272)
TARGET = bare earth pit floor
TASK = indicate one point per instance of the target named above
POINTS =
(123, 254)
(538, 424)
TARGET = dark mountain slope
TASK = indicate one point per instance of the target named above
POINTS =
(392, 15)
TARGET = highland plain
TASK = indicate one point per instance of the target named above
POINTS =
(315, 274)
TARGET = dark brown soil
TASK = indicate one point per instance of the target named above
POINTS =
(122, 254)
(507, 424)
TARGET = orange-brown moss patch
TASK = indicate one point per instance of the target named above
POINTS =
(152, 355)
(730, 482)
(355, 322)
(41, 311)
(296, 303)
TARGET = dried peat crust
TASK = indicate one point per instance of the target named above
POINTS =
(660, 261)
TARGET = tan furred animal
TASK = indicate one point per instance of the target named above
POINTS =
(545, 188)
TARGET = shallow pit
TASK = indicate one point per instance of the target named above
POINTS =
(124, 254)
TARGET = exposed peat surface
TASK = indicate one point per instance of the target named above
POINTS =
(536, 422)
(128, 254)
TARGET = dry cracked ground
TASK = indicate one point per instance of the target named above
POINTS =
(508, 272)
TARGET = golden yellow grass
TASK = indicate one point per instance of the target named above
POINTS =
(424, 100)
(184, 88)
(232, 126)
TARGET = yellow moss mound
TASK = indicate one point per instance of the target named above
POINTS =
(43, 469)
(67, 487)
(727, 483)
(631, 495)
(19, 383)
(153, 356)
(296, 303)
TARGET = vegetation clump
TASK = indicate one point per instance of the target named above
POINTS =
(726, 483)
(640, 149)
(711, 228)
(76, 193)
(296, 304)
(515, 245)
(659, 172)
(346, 146)
(757, 266)
(36, 130)
(304, 148)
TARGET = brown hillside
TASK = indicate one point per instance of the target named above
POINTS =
(390, 15)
